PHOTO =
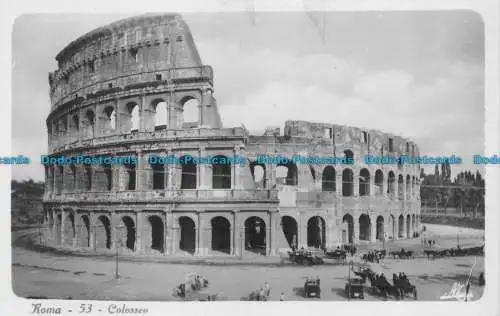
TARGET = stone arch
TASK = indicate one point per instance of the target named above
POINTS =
(391, 184)
(289, 227)
(159, 176)
(73, 178)
(288, 173)
(59, 179)
(413, 185)
(316, 232)
(88, 177)
(75, 126)
(349, 154)
(90, 117)
(408, 226)
(107, 177)
(380, 227)
(157, 233)
(58, 228)
(130, 176)
(347, 182)
(401, 226)
(328, 180)
(349, 234)
(221, 173)
(189, 172)
(103, 233)
(364, 182)
(255, 235)
(160, 114)
(127, 234)
(258, 171)
(379, 182)
(84, 235)
(408, 187)
(187, 240)
(365, 227)
(221, 234)
(109, 119)
(134, 117)
(190, 110)
(69, 229)
(401, 187)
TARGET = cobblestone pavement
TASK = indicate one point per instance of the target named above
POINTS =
(64, 276)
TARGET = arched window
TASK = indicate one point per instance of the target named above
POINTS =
(364, 182)
(328, 179)
(161, 115)
(190, 108)
(133, 110)
(379, 182)
(347, 182)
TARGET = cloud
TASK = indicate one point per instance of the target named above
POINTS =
(444, 114)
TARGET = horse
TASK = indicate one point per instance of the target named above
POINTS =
(405, 287)
(382, 286)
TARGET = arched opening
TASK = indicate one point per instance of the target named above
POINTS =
(190, 109)
(84, 235)
(103, 233)
(133, 110)
(255, 235)
(160, 115)
(364, 182)
(287, 173)
(157, 234)
(69, 229)
(109, 119)
(107, 177)
(379, 182)
(401, 226)
(413, 186)
(348, 236)
(221, 173)
(128, 233)
(221, 234)
(347, 182)
(258, 174)
(408, 187)
(290, 229)
(328, 179)
(364, 227)
(159, 176)
(401, 187)
(349, 155)
(90, 116)
(316, 232)
(391, 183)
(189, 170)
(75, 127)
(88, 177)
(73, 177)
(408, 226)
(59, 179)
(187, 241)
(131, 176)
(380, 228)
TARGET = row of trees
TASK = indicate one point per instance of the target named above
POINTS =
(465, 192)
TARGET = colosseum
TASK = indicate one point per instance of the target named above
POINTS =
(137, 88)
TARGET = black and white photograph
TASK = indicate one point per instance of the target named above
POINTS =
(311, 155)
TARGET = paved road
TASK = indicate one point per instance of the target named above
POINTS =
(63, 276)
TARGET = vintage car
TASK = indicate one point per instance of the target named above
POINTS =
(312, 287)
(354, 288)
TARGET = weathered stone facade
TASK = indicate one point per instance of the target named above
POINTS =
(124, 90)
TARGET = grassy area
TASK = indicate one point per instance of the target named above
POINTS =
(477, 223)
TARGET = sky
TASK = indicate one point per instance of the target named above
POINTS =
(419, 75)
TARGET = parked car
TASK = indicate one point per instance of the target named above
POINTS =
(354, 288)
(312, 287)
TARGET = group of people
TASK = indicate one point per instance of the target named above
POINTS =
(264, 293)
(400, 277)
(429, 243)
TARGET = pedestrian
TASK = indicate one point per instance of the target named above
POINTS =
(282, 296)
(267, 287)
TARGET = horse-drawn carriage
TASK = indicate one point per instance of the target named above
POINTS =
(405, 287)
(312, 287)
(402, 254)
(337, 254)
(192, 282)
(307, 257)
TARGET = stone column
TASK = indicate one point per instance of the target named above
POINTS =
(203, 184)
(169, 223)
(373, 228)
(63, 228)
(237, 169)
(116, 171)
(385, 185)
(356, 229)
(273, 231)
(236, 248)
(138, 232)
(77, 220)
(356, 183)
(92, 219)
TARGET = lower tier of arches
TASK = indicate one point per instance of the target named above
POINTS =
(212, 233)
